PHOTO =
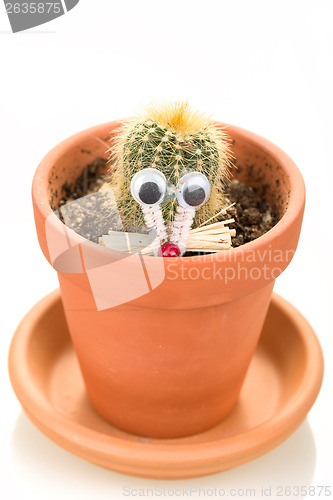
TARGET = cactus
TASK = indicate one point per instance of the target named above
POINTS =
(174, 139)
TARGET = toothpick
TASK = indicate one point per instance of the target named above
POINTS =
(213, 226)
(222, 212)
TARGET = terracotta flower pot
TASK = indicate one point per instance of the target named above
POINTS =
(164, 344)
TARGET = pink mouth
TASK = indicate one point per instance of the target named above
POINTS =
(169, 250)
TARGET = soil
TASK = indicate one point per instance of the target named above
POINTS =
(253, 215)
(93, 216)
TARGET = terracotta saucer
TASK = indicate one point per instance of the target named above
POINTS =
(282, 384)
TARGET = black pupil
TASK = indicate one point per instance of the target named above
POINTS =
(149, 193)
(194, 195)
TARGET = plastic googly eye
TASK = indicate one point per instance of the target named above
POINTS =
(148, 186)
(194, 190)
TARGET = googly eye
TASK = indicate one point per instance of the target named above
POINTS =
(194, 190)
(148, 186)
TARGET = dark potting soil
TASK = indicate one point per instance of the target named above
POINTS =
(92, 216)
(253, 215)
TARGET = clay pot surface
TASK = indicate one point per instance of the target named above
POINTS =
(164, 344)
(280, 388)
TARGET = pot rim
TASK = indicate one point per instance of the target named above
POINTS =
(294, 206)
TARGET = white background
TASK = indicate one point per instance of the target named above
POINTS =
(262, 65)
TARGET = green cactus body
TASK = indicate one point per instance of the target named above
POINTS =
(175, 140)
